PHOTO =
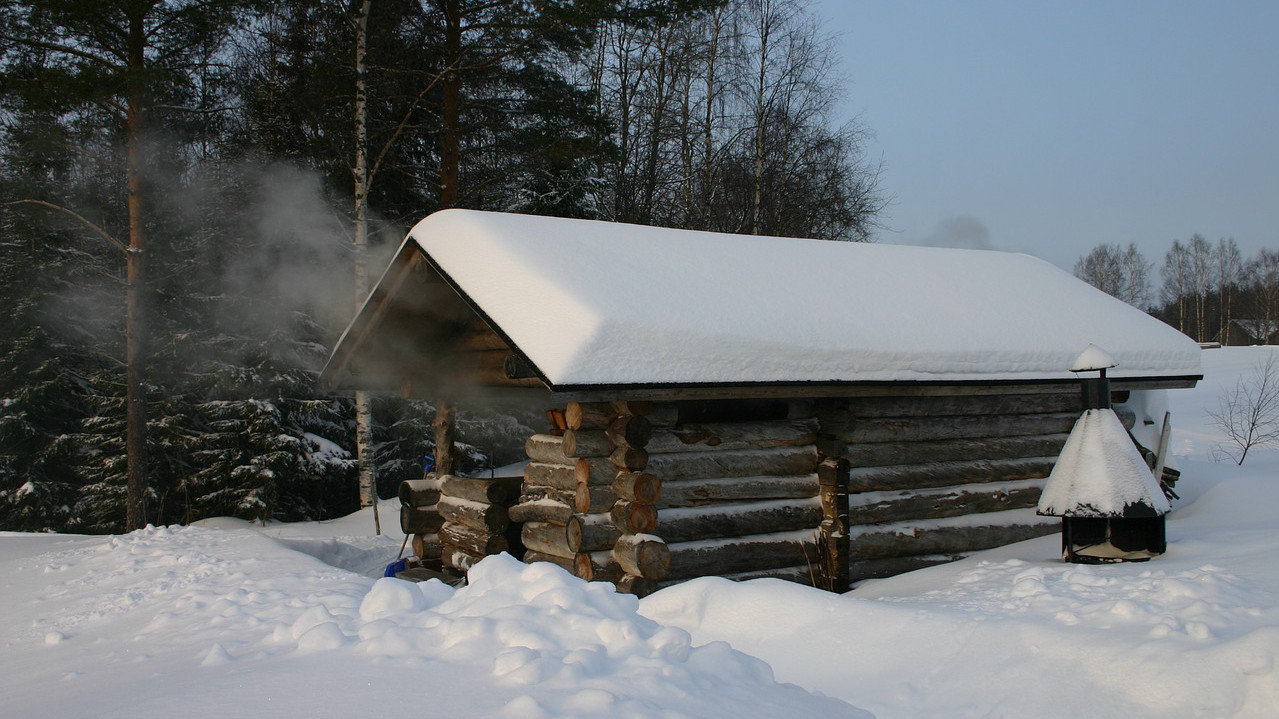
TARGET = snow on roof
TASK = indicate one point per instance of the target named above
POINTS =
(1093, 358)
(1101, 474)
(599, 303)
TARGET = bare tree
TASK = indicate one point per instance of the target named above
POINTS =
(1229, 266)
(1249, 414)
(1201, 280)
(1103, 268)
(1136, 272)
(1176, 280)
(1261, 295)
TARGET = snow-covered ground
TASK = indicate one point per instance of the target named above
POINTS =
(227, 619)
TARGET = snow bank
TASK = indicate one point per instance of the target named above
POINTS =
(621, 303)
(226, 622)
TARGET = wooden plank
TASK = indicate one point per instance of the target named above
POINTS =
(946, 474)
(701, 492)
(779, 461)
(998, 404)
(880, 454)
(741, 554)
(905, 539)
(892, 566)
(732, 436)
(923, 429)
(738, 519)
(898, 506)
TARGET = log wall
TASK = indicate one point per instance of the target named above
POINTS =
(930, 479)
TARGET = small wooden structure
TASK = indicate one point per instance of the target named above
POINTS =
(744, 406)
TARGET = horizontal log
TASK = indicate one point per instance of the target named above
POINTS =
(546, 538)
(547, 448)
(643, 555)
(544, 474)
(741, 554)
(599, 567)
(732, 436)
(898, 506)
(568, 563)
(634, 517)
(738, 519)
(629, 458)
(639, 586)
(426, 546)
(665, 414)
(699, 492)
(542, 510)
(953, 450)
(778, 461)
(419, 492)
(946, 474)
(998, 404)
(629, 431)
(637, 487)
(799, 574)
(921, 429)
(904, 539)
(892, 566)
(589, 415)
(472, 541)
(491, 518)
(458, 559)
(586, 443)
(591, 532)
(533, 493)
(495, 490)
(594, 472)
(590, 500)
(420, 520)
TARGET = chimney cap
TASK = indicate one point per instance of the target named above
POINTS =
(1092, 359)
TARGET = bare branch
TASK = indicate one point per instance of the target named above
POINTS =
(78, 217)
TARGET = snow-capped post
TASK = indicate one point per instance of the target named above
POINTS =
(1111, 506)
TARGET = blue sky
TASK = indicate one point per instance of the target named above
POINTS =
(1051, 127)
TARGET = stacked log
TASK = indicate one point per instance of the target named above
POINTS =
(420, 517)
(639, 558)
(475, 514)
(929, 479)
(736, 497)
(556, 510)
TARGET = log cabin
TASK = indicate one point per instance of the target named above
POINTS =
(745, 406)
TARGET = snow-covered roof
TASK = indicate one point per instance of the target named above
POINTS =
(592, 303)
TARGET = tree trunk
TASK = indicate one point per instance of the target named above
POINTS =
(135, 338)
(363, 409)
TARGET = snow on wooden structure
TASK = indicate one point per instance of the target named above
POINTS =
(749, 406)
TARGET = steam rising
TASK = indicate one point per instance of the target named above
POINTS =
(961, 231)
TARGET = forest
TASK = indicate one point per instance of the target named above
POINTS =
(194, 193)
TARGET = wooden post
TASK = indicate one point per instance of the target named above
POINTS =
(832, 476)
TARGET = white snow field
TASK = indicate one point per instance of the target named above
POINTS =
(226, 620)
